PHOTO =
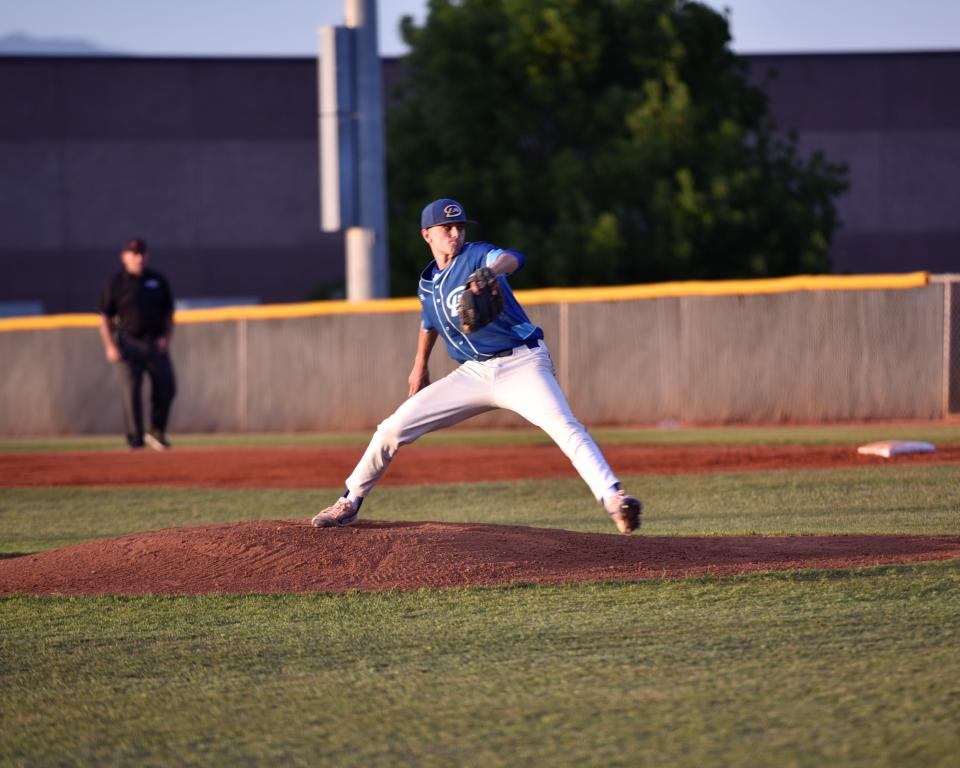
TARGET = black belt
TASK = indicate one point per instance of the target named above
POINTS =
(529, 344)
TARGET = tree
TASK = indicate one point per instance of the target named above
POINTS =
(611, 140)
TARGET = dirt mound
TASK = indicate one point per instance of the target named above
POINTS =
(325, 467)
(290, 556)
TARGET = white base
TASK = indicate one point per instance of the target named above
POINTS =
(888, 448)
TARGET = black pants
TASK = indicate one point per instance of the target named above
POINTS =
(141, 356)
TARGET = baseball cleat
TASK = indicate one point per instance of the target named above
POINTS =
(624, 510)
(157, 441)
(341, 513)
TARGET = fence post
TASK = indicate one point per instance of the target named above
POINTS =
(564, 372)
(242, 374)
(952, 330)
(951, 342)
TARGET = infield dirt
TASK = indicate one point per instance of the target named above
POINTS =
(269, 556)
(290, 556)
(327, 467)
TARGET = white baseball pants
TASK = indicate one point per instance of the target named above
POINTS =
(522, 382)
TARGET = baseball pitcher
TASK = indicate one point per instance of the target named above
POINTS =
(467, 301)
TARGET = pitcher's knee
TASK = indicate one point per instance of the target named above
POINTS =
(560, 424)
(390, 433)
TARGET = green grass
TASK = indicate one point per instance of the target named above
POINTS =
(904, 499)
(808, 669)
(831, 434)
(840, 668)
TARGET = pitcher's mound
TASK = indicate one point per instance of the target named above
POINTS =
(290, 556)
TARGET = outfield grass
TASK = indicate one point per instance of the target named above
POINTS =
(903, 499)
(819, 434)
(846, 668)
(841, 668)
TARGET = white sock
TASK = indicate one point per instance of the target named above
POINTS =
(354, 499)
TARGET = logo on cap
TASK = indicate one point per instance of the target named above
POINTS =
(451, 210)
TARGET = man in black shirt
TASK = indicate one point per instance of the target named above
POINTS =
(136, 324)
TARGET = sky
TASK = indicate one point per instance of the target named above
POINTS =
(288, 27)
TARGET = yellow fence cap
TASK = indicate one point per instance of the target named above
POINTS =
(536, 296)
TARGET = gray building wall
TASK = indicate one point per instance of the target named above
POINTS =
(215, 163)
(894, 118)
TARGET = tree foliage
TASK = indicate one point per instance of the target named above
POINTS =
(610, 140)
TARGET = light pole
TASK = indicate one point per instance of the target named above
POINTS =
(352, 175)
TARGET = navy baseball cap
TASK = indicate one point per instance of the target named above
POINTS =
(443, 211)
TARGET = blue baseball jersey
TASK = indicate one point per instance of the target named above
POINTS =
(439, 294)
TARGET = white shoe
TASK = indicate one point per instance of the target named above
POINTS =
(624, 510)
(341, 513)
(157, 440)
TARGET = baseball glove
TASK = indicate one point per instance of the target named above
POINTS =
(481, 300)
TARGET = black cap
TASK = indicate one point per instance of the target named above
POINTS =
(135, 244)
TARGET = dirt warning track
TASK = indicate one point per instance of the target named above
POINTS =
(327, 467)
(270, 556)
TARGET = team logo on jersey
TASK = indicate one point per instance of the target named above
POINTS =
(151, 283)
(451, 210)
(453, 300)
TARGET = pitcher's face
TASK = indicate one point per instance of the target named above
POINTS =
(445, 240)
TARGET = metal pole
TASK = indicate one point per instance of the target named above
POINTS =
(337, 113)
(352, 155)
(361, 15)
(359, 244)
